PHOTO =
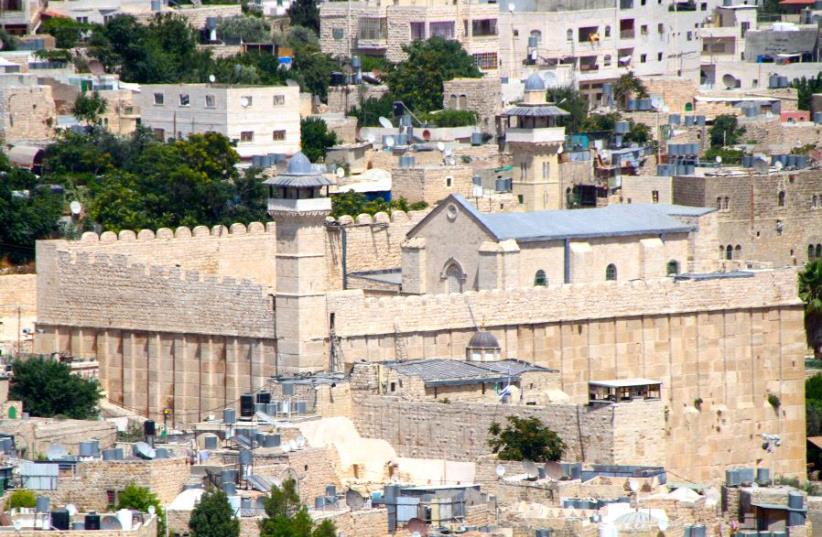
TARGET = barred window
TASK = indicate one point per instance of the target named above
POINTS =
(486, 60)
(372, 28)
(443, 29)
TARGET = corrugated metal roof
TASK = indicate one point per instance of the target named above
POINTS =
(298, 180)
(540, 110)
(32, 469)
(446, 372)
(610, 221)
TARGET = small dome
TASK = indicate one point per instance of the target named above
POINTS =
(483, 340)
(300, 165)
(535, 83)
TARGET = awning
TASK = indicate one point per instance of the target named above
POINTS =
(25, 156)
(796, 2)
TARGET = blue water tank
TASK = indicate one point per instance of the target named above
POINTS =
(673, 119)
(632, 105)
(476, 138)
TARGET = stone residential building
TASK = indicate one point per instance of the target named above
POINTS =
(21, 17)
(260, 119)
(479, 95)
(27, 111)
(190, 320)
(372, 28)
(773, 219)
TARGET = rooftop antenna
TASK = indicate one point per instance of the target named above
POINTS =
(385, 122)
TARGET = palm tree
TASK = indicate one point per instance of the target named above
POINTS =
(628, 85)
(810, 291)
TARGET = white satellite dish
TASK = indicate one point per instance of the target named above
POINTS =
(72, 509)
(633, 484)
(371, 139)
(718, 159)
(300, 442)
(385, 122)
(340, 172)
(779, 165)
(152, 509)
(440, 146)
(663, 524)
(530, 469)
(560, 149)
(212, 79)
(18, 525)
(500, 470)
(75, 207)
(447, 152)
(389, 141)
(512, 7)
(286, 447)
(292, 445)
(56, 452)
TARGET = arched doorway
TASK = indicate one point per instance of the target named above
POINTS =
(453, 277)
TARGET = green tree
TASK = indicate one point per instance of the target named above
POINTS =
(572, 101)
(305, 13)
(627, 86)
(601, 122)
(21, 498)
(810, 291)
(214, 517)
(66, 31)
(89, 108)
(369, 113)
(805, 88)
(48, 388)
(140, 499)
(355, 203)
(450, 118)
(417, 81)
(315, 138)
(638, 133)
(286, 517)
(725, 131)
(246, 29)
(525, 439)
(8, 41)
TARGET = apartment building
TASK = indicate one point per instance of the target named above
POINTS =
(377, 29)
(260, 119)
(100, 11)
(601, 39)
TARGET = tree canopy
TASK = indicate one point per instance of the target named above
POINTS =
(48, 388)
(305, 13)
(355, 203)
(213, 517)
(66, 31)
(286, 517)
(525, 439)
(726, 131)
(141, 498)
(89, 107)
(417, 81)
(805, 88)
(627, 86)
(246, 29)
(810, 291)
(315, 138)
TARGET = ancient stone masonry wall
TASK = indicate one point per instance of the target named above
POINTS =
(440, 431)
(98, 290)
(238, 252)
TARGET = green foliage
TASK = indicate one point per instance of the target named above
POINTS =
(214, 517)
(810, 291)
(450, 118)
(48, 388)
(375, 63)
(418, 80)
(698, 403)
(572, 101)
(8, 41)
(305, 13)
(725, 131)
(21, 498)
(805, 88)
(67, 32)
(803, 150)
(525, 439)
(285, 517)
(141, 498)
(627, 86)
(55, 55)
(372, 109)
(29, 210)
(600, 122)
(354, 204)
(89, 108)
(774, 401)
(729, 156)
(315, 138)
(638, 133)
(246, 29)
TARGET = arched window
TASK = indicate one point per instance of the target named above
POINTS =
(538, 36)
(813, 201)
(463, 102)
(726, 203)
(453, 277)
(452, 102)
(569, 35)
(673, 268)
(540, 279)
(738, 252)
(810, 252)
(781, 198)
(721, 251)
(607, 31)
(719, 203)
(611, 273)
(729, 252)
(819, 250)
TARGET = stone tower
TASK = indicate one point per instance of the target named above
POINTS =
(299, 207)
(535, 142)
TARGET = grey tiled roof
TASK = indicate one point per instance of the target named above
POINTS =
(540, 110)
(447, 372)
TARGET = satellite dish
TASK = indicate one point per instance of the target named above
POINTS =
(212, 79)
(500, 470)
(440, 146)
(56, 452)
(300, 442)
(72, 509)
(292, 445)
(152, 509)
(560, 149)
(75, 207)
(371, 139)
(340, 172)
(633, 484)
(144, 451)
(417, 527)
(663, 524)
(530, 469)
(779, 165)
(110, 522)
(511, 7)
(286, 447)
(385, 122)
(718, 159)
(18, 525)
(389, 141)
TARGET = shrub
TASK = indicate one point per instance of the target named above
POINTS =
(21, 498)
(525, 439)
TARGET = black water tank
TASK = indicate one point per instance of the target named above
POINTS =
(264, 398)
(246, 405)
(149, 428)
(92, 521)
(337, 79)
(60, 519)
